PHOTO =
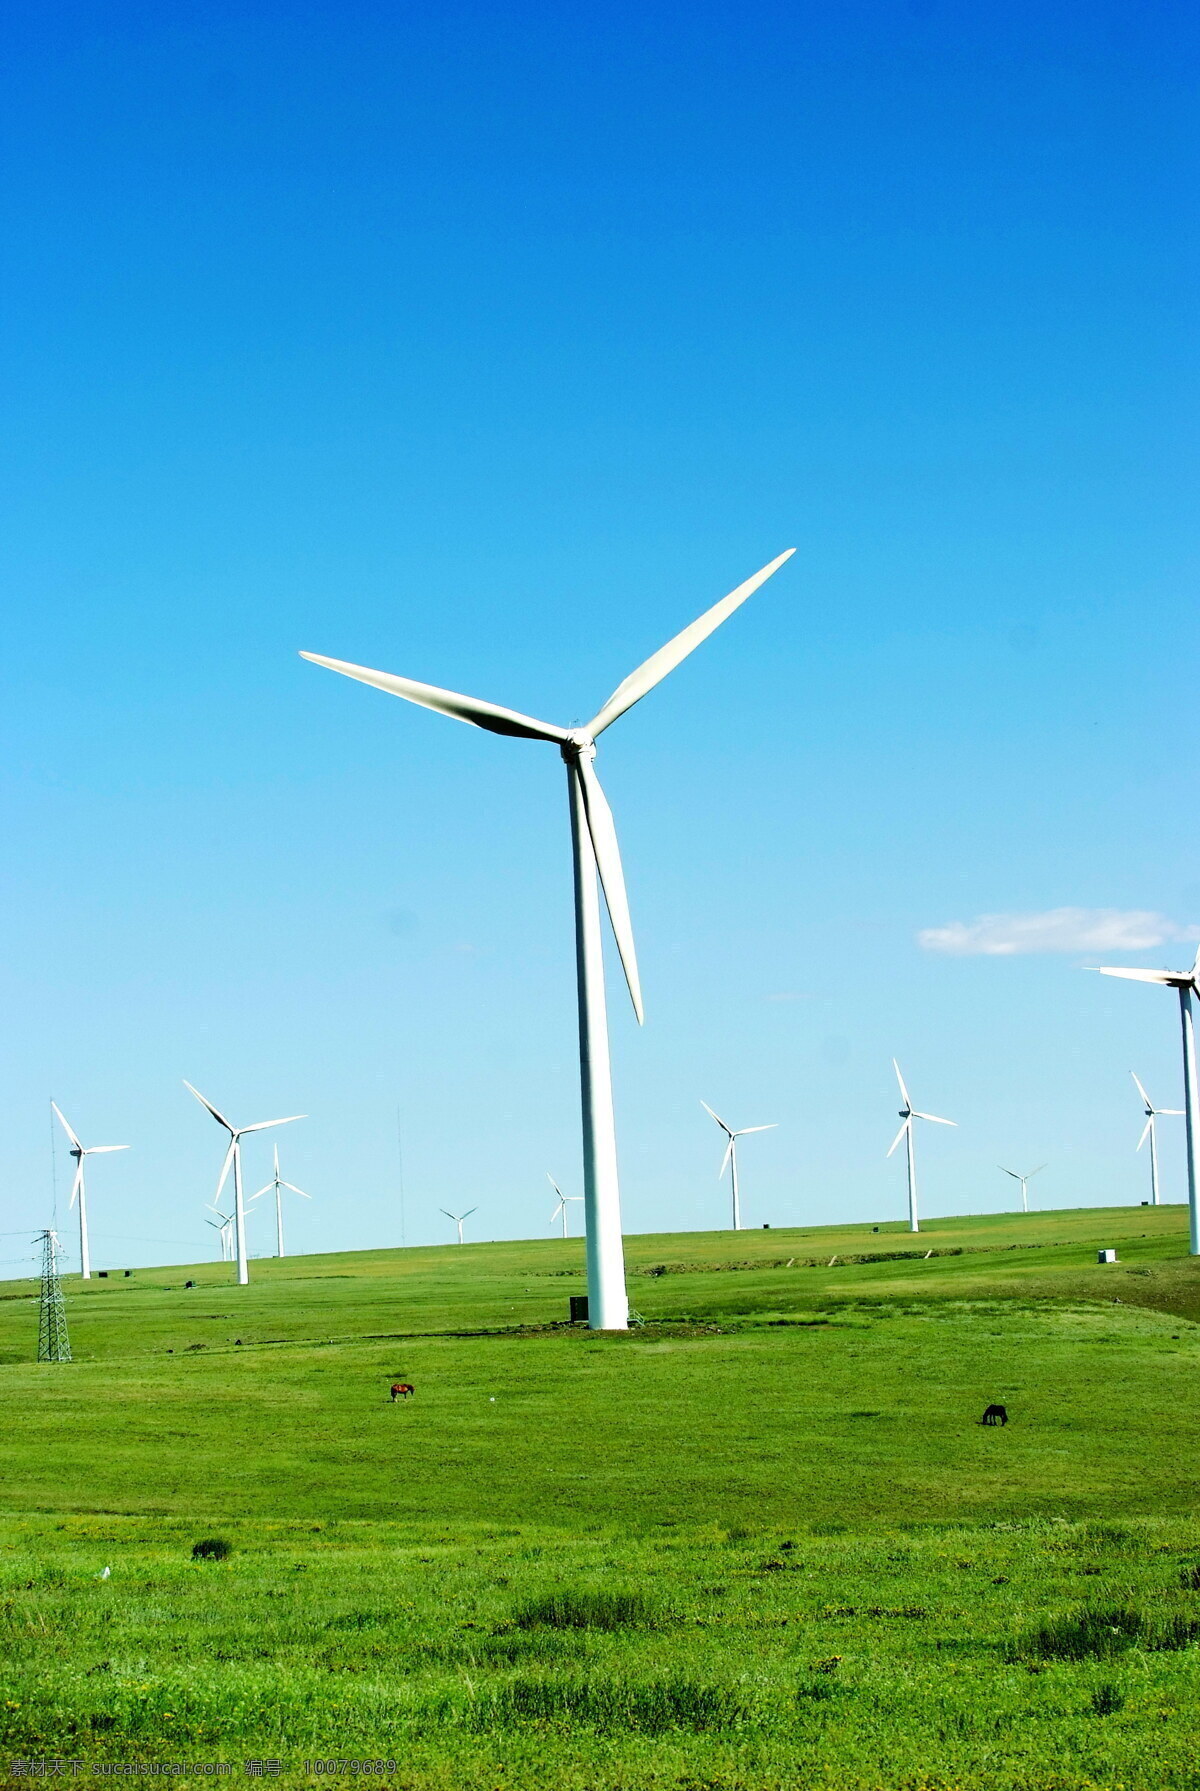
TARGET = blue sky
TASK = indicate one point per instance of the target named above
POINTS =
(490, 347)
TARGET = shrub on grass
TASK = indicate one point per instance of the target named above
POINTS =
(587, 1610)
(1107, 1699)
(611, 1705)
(212, 1548)
(1092, 1634)
(1189, 1577)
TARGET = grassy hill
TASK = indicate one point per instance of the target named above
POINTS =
(784, 1466)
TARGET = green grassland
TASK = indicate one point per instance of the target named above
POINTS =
(760, 1541)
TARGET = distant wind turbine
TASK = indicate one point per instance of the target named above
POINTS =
(78, 1191)
(1150, 1131)
(908, 1113)
(224, 1231)
(730, 1156)
(1186, 982)
(234, 1156)
(459, 1220)
(277, 1185)
(564, 1201)
(594, 849)
(1024, 1181)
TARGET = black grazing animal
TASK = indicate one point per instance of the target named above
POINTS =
(995, 1414)
(402, 1390)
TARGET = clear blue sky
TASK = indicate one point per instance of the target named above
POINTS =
(490, 344)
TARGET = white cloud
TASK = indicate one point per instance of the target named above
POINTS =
(1059, 929)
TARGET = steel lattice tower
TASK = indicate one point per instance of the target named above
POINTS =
(53, 1342)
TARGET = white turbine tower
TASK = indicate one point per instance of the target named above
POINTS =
(594, 849)
(564, 1201)
(1150, 1131)
(1186, 981)
(78, 1191)
(234, 1156)
(278, 1185)
(730, 1156)
(1024, 1181)
(459, 1220)
(908, 1113)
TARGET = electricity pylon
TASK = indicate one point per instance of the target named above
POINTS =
(53, 1342)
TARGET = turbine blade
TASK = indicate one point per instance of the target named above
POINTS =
(554, 1184)
(899, 1135)
(744, 1131)
(264, 1125)
(612, 877)
(76, 1184)
(1170, 978)
(1011, 1172)
(442, 1209)
(934, 1118)
(717, 1117)
(293, 1189)
(726, 1157)
(491, 716)
(219, 1117)
(267, 1190)
(66, 1128)
(469, 1211)
(1142, 1092)
(1146, 1131)
(653, 670)
(1034, 1172)
(226, 1166)
(900, 1080)
(1171, 1112)
(100, 1150)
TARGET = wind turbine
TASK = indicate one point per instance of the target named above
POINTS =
(1186, 981)
(278, 1184)
(234, 1156)
(79, 1152)
(730, 1156)
(594, 849)
(564, 1200)
(1024, 1181)
(908, 1113)
(223, 1230)
(457, 1220)
(1150, 1131)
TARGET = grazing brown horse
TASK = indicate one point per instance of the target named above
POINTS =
(402, 1390)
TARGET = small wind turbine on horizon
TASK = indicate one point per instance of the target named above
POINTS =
(1186, 982)
(594, 850)
(730, 1156)
(1024, 1181)
(564, 1200)
(457, 1220)
(908, 1113)
(278, 1184)
(1150, 1131)
(78, 1191)
(224, 1230)
(233, 1156)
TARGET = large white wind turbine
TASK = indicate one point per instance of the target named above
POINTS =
(564, 1201)
(908, 1113)
(78, 1191)
(1024, 1181)
(1150, 1131)
(458, 1219)
(730, 1156)
(234, 1156)
(277, 1185)
(1187, 982)
(594, 848)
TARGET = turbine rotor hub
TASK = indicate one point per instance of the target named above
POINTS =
(578, 745)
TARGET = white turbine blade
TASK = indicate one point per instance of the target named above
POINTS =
(267, 1190)
(900, 1080)
(219, 1118)
(100, 1150)
(1168, 977)
(1146, 1131)
(66, 1128)
(1011, 1172)
(226, 1166)
(469, 1211)
(264, 1125)
(934, 1118)
(899, 1135)
(293, 1189)
(718, 1118)
(653, 670)
(560, 1208)
(554, 1184)
(442, 1209)
(1169, 1112)
(612, 877)
(1142, 1092)
(491, 716)
(726, 1157)
(75, 1185)
(745, 1131)
(1034, 1172)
